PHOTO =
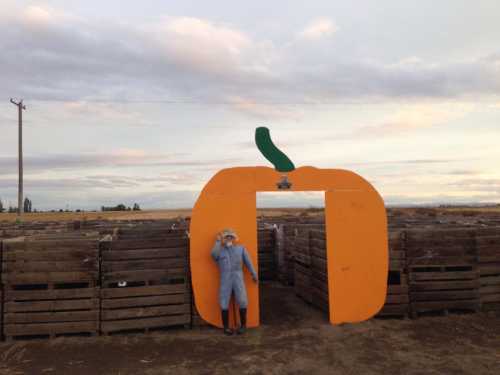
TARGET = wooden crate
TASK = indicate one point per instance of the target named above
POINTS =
(57, 309)
(145, 281)
(50, 285)
(319, 276)
(397, 250)
(28, 260)
(440, 247)
(144, 307)
(302, 266)
(443, 288)
(267, 254)
(196, 320)
(397, 298)
(303, 282)
(488, 246)
(143, 260)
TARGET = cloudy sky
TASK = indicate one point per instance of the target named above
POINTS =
(142, 101)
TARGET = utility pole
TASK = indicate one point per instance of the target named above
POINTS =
(20, 108)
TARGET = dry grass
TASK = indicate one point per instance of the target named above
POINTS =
(140, 215)
(178, 213)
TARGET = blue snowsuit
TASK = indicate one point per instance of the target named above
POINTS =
(230, 261)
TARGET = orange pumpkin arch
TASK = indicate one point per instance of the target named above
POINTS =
(356, 237)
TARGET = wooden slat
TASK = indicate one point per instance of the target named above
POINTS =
(397, 289)
(489, 269)
(54, 305)
(400, 309)
(52, 266)
(50, 328)
(144, 275)
(136, 265)
(116, 303)
(173, 252)
(397, 299)
(163, 321)
(489, 280)
(50, 294)
(143, 291)
(442, 295)
(145, 312)
(487, 298)
(43, 277)
(58, 255)
(442, 305)
(51, 245)
(148, 244)
(445, 285)
(490, 289)
(422, 276)
(46, 317)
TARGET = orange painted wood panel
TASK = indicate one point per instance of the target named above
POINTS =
(356, 230)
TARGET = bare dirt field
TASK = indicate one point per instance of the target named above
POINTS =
(293, 339)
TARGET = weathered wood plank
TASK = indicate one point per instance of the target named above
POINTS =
(173, 252)
(50, 255)
(52, 266)
(50, 328)
(54, 305)
(423, 276)
(143, 275)
(145, 312)
(166, 299)
(44, 277)
(163, 321)
(144, 291)
(148, 244)
(443, 295)
(445, 285)
(443, 305)
(136, 265)
(53, 316)
(50, 294)
(397, 299)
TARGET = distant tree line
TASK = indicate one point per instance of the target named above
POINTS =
(28, 208)
(121, 207)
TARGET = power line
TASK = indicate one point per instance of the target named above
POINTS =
(194, 101)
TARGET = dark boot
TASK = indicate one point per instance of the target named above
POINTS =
(243, 319)
(225, 322)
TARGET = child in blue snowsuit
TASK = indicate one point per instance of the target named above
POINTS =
(229, 258)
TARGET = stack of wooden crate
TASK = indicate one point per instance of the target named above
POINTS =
(302, 265)
(266, 254)
(488, 247)
(397, 300)
(145, 280)
(319, 271)
(50, 285)
(287, 270)
(442, 265)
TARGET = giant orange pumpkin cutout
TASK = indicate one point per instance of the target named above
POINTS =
(356, 233)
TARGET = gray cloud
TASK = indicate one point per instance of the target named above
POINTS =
(53, 55)
(72, 162)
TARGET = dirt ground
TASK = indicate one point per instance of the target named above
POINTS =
(293, 339)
